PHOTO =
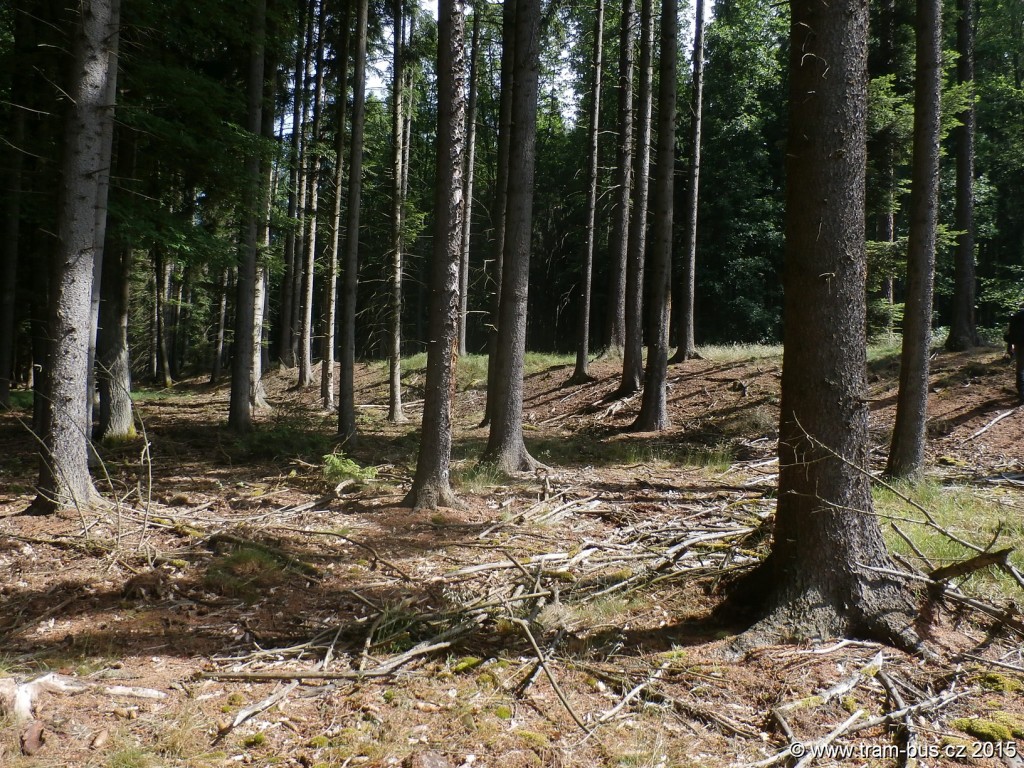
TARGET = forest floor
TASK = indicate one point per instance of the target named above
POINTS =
(238, 606)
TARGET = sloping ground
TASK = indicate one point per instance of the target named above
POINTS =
(557, 619)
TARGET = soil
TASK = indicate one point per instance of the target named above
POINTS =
(220, 559)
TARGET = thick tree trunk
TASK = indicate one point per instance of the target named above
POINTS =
(819, 579)
(242, 375)
(431, 486)
(467, 180)
(505, 446)
(653, 414)
(581, 375)
(632, 355)
(313, 198)
(64, 478)
(508, 45)
(619, 240)
(684, 308)
(396, 414)
(350, 274)
(906, 454)
(331, 278)
(963, 330)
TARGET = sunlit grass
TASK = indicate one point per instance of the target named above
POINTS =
(733, 353)
(969, 514)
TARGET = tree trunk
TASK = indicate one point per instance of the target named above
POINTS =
(906, 454)
(331, 278)
(222, 318)
(395, 413)
(581, 375)
(623, 182)
(653, 414)
(350, 274)
(313, 198)
(431, 486)
(817, 581)
(632, 356)
(292, 282)
(467, 180)
(508, 45)
(64, 478)
(242, 374)
(114, 374)
(963, 330)
(505, 446)
(163, 286)
(9, 252)
(684, 310)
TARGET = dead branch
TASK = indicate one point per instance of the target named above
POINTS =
(551, 678)
(18, 700)
(976, 563)
(906, 733)
(991, 424)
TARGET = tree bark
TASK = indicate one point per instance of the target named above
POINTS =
(653, 414)
(817, 581)
(240, 412)
(331, 278)
(963, 330)
(467, 180)
(64, 478)
(114, 376)
(906, 454)
(292, 268)
(508, 45)
(350, 275)
(581, 375)
(312, 198)
(505, 445)
(632, 356)
(431, 486)
(396, 414)
(623, 182)
(222, 319)
(684, 309)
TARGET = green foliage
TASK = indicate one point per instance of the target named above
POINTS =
(245, 573)
(285, 439)
(338, 468)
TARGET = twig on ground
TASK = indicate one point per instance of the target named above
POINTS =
(551, 678)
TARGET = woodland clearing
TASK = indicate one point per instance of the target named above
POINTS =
(246, 600)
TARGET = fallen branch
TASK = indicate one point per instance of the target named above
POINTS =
(18, 700)
(551, 678)
(991, 424)
(971, 565)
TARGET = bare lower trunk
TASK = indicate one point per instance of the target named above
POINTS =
(467, 180)
(64, 478)
(963, 331)
(395, 413)
(505, 445)
(906, 455)
(623, 182)
(240, 414)
(350, 276)
(508, 37)
(331, 278)
(222, 319)
(632, 356)
(684, 311)
(9, 255)
(653, 411)
(431, 486)
(581, 374)
(818, 581)
(114, 365)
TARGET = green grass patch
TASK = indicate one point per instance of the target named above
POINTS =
(734, 353)
(967, 513)
(245, 573)
(477, 477)
(286, 440)
(22, 399)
